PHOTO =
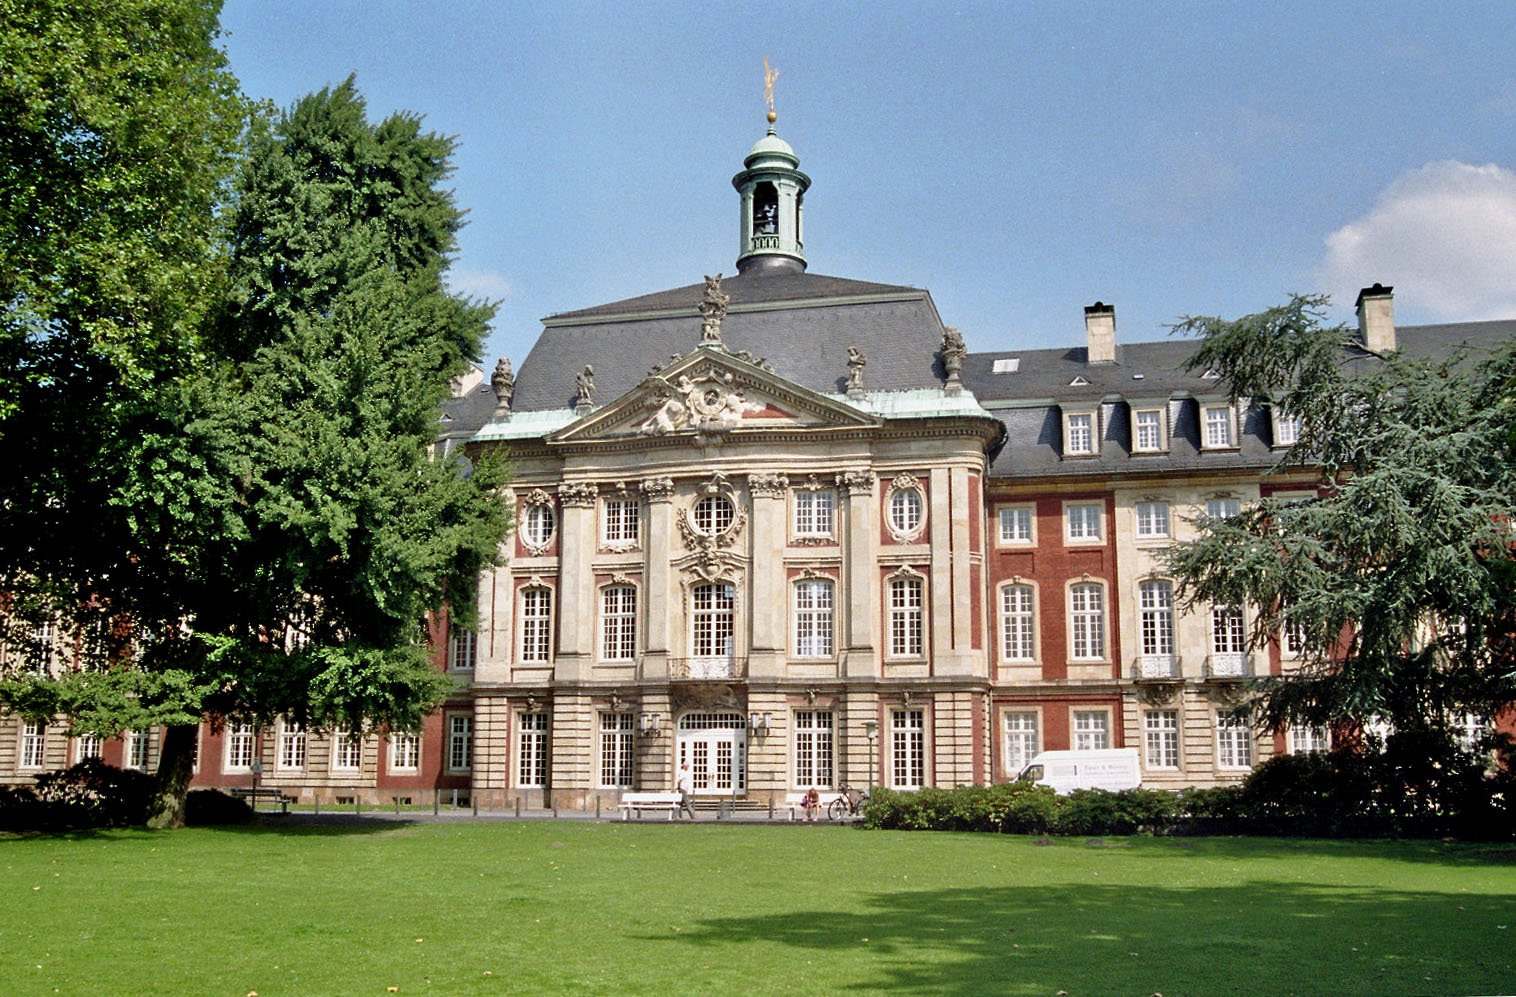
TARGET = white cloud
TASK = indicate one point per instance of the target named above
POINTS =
(1443, 235)
(479, 283)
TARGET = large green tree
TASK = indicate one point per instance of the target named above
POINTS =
(1399, 580)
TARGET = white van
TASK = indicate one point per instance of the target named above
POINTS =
(1066, 771)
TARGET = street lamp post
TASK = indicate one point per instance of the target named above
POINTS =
(871, 728)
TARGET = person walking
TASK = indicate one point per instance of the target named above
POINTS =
(685, 784)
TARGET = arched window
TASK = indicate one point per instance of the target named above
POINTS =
(1017, 624)
(905, 511)
(905, 618)
(765, 209)
(1087, 621)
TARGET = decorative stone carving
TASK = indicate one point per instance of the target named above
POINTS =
(713, 311)
(768, 485)
(1158, 693)
(953, 352)
(708, 405)
(856, 361)
(536, 497)
(584, 387)
(665, 365)
(717, 487)
(904, 481)
(856, 482)
(657, 489)
(578, 494)
(503, 381)
(747, 356)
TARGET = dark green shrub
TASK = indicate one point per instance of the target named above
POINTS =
(20, 810)
(205, 807)
(94, 794)
(1022, 808)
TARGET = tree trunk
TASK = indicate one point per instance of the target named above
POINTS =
(176, 766)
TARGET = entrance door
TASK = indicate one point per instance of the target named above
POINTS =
(715, 747)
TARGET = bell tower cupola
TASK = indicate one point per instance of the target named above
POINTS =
(772, 189)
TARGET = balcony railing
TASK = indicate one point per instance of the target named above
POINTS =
(700, 669)
(1229, 666)
(1155, 667)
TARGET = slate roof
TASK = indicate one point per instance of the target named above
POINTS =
(802, 324)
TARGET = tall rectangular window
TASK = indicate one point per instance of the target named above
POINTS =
(1234, 742)
(1470, 729)
(1020, 741)
(1307, 739)
(1286, 428)
(1222, 508)
(347, 751)
(239, 747)
(1229, 641)
(907, 749)
(1016, 525)
(136, 749)
(1152, 519)
(405, 751)
(618, 623)
(622, 527)
(617, 762)
(1092, 730)
(905, 618)
(462, 648)
(1082, 522)
(532, 771)
(1087, 622)
(1161, 736)
(815, 749)
(40, 648)
(814, 513)
(87, 746)
(1017, 624)
(33, 741)
(1218, 426)
(460, 742)
(813, 618)
(1147, 431)
(1155, 602)
(536, 624)
(1080, 434)
(713, 605)
(291, 746)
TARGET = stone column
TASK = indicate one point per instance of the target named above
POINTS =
(860, 577)
(768, 597)
(661, 543)
(575, 647)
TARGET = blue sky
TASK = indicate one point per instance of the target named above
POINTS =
(1020, 161)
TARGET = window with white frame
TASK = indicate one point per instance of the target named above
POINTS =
(814, 513)
(714, 515)
(460, 742)
(462, 648)
(136, 749)
(907, 749)
(1079, 434)
(1152, 519)
(532, 750)
(1082, 521)
(1147, 430)
(536, 624)
(1307, 739)
(86, 746)
(1294, 637)
(618, 623)
(1017, 624)
(40, 648)
(617, 763)
(1470, 730)
(291, 746)
(905, 511)
(1286, 428)
(405, 751)
(905, 618)
(537, 525)
(239, 748)
(1092, 730)
(347, 751)
(1229, 641)
(1222, 508)
(815, 748)
(33, 742)
(713, 604)
(813, 618)
(620, 525)
(1217, 426)
(1021, 741)
(1017, 524)
(1087, 621)
(1155, 616)
(1160, 730)
(1234, 742)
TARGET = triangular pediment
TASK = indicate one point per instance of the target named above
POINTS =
(712, 391)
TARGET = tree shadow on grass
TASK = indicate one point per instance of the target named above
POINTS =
(1435, 852)
(1255, 938)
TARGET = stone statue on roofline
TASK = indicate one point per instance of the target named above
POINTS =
(713, 311)
(503, 380)
(584, 386)
(953, 352)
(856, 361)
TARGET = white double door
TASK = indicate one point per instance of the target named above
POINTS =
(714, 746)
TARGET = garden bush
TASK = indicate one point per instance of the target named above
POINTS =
(94, 794)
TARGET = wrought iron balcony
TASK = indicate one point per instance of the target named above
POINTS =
(708, 668)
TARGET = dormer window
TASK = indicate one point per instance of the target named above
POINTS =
(1079, 434)
(1286, 427)
(1147, 431)
(1218, 426)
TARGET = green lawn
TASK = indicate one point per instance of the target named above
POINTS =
(700, 909)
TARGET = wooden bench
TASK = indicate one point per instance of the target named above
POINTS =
(795, 802)
(648, 801)
(266, 793)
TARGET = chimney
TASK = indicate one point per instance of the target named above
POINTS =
(1100, 327)
(1376, 318)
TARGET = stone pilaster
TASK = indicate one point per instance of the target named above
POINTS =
(767, 583)
(860, 577)
(661, 544)
(575, 645)
(570, 757)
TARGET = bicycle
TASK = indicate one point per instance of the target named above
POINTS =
(849, 804)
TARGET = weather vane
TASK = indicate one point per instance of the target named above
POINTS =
(769, 76)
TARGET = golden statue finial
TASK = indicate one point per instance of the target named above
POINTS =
(769, 76)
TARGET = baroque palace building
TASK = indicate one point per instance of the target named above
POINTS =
(786, 528)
